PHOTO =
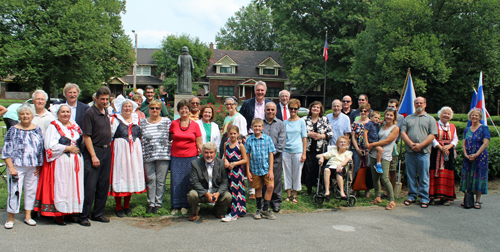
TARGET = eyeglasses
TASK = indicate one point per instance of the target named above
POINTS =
(195, 103)
(230, 104)
(419, 103)
(391, 108)
(346, 101)
(361, 99)
(270, 109)
(363, 111)
(150, 92)
(290, 108)
(154, 108)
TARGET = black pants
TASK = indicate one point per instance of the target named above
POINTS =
(9, 123)
(278, 180)
(96, 182)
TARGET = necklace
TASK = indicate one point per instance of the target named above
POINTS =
(186, 128)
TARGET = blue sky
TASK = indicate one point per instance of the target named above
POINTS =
(154, 19)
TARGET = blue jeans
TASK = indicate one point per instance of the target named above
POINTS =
(418, 162)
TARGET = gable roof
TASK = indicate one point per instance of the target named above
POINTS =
(248, 62)
(144, 56)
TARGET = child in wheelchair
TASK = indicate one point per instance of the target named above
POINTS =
(337, 160)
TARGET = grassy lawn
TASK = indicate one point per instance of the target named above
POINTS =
(8, 102)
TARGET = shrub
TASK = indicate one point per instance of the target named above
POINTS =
(493, 158)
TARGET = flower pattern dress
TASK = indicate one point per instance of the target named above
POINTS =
(475, 174)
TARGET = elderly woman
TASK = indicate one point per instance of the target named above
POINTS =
(232, 118)
(43, 117)
(359, 154)
(319, 132)
(60, 189)
(186, 146)
(442, 166)
(156, 151)
(475, 168)
(127, 171)
(209, 130)
(294, 153)
(23, 155)
(137, 98)
(387, 137)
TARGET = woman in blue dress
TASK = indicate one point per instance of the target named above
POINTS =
(475, 168)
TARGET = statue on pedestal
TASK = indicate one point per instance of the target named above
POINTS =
(185, 66)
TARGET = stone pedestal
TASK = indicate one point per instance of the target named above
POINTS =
(177, 98)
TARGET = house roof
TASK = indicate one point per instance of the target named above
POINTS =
(129, 79)
(144, 56)
(248, 62)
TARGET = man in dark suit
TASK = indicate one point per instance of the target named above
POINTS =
(255, 107)
(282, 111)
(71, 91)
(208, 183)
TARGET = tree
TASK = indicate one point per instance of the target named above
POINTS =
(250, 29)
(446, 44)
(166, 58)
(49, 43)
(301, 26)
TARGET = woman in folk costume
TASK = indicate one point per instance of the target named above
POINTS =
(127, 169)
(60, 189)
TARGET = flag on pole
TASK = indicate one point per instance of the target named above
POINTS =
(325, 51)
(407, 106)
(480, 101)
(473, 103)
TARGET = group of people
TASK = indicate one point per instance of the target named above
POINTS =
(72, 157)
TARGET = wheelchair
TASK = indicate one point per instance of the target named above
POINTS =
(319, 197)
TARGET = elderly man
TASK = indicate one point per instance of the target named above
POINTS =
(355, 113)
(71, 91)
(340, 122)
(417, 132)
(208, 183)
(254, 107)
(275, 128)
(43, 117)
(346, 105)
(150, 96)
(282, 111)
(194, 109)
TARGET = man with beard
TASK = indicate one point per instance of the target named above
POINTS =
(340, 122)
(194, 109)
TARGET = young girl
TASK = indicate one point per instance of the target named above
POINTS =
(337, 159)
(234, 159)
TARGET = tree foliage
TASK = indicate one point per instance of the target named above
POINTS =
(51, 43)
(250, 29)
(166, 58)
(446, 44)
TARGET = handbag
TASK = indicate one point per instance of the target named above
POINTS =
(468, 200)
(363, 180)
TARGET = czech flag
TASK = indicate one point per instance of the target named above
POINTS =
(480, 102)
(407, 105)
(325, 51)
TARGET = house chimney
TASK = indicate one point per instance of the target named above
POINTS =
(211, 46)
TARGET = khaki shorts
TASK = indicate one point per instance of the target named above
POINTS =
(393, 166)
(257, 181)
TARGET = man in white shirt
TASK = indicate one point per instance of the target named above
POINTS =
(71, 91)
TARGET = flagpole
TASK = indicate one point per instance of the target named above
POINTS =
(398, 183)
(404, 86)
(324, 84)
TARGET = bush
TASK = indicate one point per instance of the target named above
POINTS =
(493, 158)
(464, 118)
(209, 100)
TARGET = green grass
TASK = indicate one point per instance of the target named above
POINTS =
(8, 102)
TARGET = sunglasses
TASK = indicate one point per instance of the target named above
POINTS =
(361, 99)
(154, 108)
(391, 108)
(346, 101)
(290, 108)
(195, 103)
(363, 111)
(270, 109)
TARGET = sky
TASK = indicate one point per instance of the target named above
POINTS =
(152, 20)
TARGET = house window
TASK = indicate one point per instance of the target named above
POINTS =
(273, 92)
(225, 91)
(224, 69)
(269, 71)
(144, 70)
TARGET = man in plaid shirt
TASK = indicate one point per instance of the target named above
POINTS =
(260, 148)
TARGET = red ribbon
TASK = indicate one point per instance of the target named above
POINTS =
(130, 139)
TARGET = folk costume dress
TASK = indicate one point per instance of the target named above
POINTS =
(127, 167)
(60, 188)
(441, 172)
(236, 178)
(475, 173)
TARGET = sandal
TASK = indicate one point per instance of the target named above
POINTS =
(391, 205)
(409, 202)
(424, 205)
(294, 201)
(377, 200)
(477, 205)
(367, 194)
(446, 203)
(288, 199)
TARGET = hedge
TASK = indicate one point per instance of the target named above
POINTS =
(464, 118)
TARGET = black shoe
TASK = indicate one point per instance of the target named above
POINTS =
(69, 218)
(85, 222)
(155, 209)
(100, 219)
(150, 209)
(127, 211)
(276, 209)
(120, 213)
(60, 221)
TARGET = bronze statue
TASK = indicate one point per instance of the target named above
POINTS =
(185, 66)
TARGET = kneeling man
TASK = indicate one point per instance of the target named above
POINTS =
(208, 183)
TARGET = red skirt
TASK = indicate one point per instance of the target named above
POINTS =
(44, 202)
(442, 186)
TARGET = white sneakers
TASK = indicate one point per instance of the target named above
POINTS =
(228, 218)
(9, 225)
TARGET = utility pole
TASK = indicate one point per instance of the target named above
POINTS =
(135, 63)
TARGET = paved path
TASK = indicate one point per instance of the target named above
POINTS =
(438, 228)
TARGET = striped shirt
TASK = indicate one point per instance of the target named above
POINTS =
(155, 141)
(259, 148)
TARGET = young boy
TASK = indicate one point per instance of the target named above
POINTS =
(371, 136)
(260, 149)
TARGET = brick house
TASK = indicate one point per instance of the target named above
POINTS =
(234, 73)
